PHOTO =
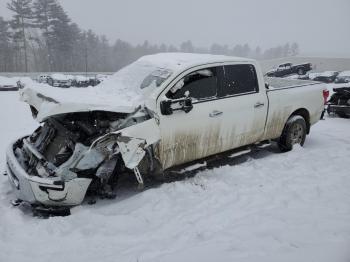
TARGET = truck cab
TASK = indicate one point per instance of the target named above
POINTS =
(221, 96)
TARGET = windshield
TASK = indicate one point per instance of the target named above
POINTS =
(139, 75)
(133, 83)
(156, 78)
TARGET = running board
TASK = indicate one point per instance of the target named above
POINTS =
(263, 144)
(206, 162)
(240, 153)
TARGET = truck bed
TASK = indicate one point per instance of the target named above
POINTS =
(279, 83)
(286, 96)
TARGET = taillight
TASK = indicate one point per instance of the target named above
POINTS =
(325, 95)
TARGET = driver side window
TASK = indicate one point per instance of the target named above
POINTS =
(200, 84)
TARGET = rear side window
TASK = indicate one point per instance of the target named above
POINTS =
(239, 79)
(200, 84)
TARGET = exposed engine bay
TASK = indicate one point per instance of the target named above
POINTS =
(75, 153)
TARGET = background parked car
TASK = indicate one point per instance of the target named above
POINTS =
(343, 77)
(83, 81)
(326, 77)
(101, 77)
(288, 69)
(60, 80)
(43, 78)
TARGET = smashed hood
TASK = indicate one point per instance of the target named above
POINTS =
(48, 105)
(119, 93)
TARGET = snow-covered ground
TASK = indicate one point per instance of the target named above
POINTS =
(272, 207)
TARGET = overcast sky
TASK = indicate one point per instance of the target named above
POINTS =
(321, 27)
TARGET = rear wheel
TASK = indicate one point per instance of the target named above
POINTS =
(293, 133)
(301, 71)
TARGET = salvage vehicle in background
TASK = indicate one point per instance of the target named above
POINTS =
(43, 78)
(339, 103)
(326, 77)
(83, 81)
(343, 77)
(168, 110)
(288, 69)
(60, 80)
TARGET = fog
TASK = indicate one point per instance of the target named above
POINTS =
(321, 28)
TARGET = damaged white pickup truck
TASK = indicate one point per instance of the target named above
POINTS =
(160, 112)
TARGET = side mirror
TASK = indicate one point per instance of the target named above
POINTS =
(187, 105)
(165, 107)
(183, 104)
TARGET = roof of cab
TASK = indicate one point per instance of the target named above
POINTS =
(176, 61)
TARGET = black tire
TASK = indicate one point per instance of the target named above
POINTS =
(294, 132)
(301, 71)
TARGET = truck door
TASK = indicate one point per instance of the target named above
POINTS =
(191, 135)
(244, 107)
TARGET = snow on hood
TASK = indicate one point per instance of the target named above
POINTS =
(62, 77)
(313, 75)
(327, 73)
(49, 101)
(82, 78)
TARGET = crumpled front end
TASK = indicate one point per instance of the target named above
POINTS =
(71, 154)
(50, 191)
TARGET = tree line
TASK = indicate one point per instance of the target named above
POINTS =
(41, 37)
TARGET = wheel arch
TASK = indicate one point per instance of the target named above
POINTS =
(305, 114)
(301, 68)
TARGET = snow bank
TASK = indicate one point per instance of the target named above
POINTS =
(271, 208)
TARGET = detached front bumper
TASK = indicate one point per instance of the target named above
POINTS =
(50, 191)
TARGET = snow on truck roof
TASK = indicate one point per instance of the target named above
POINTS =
(176, 61)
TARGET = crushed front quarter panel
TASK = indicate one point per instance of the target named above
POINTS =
(133, 141)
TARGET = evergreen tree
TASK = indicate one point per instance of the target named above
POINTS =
(257, 52)
(62, 38)
(20, 23)
(5, 46)
(44, 18)
(187, 47)
(294, 49)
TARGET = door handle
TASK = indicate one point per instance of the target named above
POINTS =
(259, 104)
(215, 113)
